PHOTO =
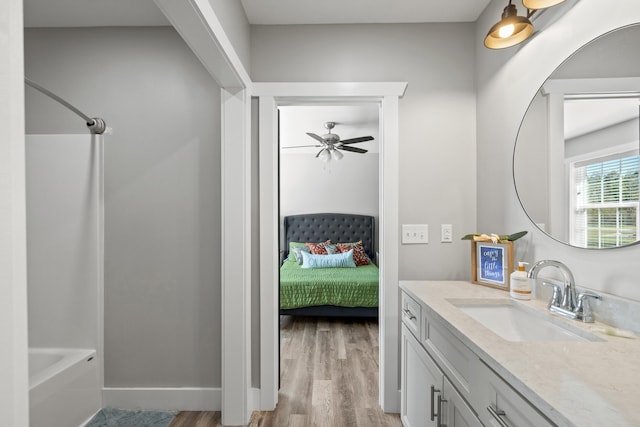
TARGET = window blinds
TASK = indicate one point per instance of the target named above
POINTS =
(606, 200)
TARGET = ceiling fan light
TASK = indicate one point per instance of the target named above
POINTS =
(510, 30)
(325, 156)
(337, 155)
(540, 4)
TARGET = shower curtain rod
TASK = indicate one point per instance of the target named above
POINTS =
(96, 125)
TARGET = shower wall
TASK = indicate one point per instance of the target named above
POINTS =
(63, 240)
(162, 192)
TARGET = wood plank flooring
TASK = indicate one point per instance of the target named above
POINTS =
(329, 377)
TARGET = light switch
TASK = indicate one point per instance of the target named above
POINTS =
(446, 233)
(415, 234)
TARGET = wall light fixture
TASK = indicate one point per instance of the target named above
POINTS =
(513, 29)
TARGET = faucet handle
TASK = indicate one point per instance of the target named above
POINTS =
(556, 298)
(583, 309)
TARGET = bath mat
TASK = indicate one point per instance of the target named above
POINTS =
(111, 417)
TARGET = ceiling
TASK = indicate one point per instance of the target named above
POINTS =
(100, 13)
(361, 11)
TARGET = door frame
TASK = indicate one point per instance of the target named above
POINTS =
(270, 96)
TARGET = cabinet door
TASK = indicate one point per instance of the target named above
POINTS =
(419, 374)
(458, 413)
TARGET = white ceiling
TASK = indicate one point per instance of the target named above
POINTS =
(361, 11)
(99, 13)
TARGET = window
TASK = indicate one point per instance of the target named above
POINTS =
(604, 211)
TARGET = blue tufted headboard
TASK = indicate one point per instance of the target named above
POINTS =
(336, 227)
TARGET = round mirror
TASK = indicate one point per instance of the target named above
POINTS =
(575, 162)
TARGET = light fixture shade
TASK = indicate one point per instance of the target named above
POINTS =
(540, 4)
(522, 30)
(337, 155)
(325, 156)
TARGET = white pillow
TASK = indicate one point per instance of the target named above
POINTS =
(341, 260)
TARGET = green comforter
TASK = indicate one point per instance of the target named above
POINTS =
(345, 287)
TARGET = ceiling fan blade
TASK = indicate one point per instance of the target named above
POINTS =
(356, 140)
(316, 137)
(302, 146)
(353, 149)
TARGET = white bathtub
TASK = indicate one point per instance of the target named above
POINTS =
(64, 387)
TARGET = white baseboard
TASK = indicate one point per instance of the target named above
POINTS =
(254, 399)
(163, 399)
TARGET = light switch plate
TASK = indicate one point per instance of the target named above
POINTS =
(415, 234)
(446, 233)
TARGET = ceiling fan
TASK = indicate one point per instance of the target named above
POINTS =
(330, 143)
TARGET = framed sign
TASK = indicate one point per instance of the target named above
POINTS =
(492, 264)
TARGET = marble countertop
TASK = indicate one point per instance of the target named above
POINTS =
(576, 384)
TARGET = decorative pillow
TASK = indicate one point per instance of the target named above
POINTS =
(319, 248)
(293, 245)
(296, 253)
(343, 260)
(359, 255)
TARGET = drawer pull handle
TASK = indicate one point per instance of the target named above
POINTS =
(497, 414)
(440, 409)
(433, 405)
(409, 314)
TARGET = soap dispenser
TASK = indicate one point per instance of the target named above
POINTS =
(520, 285)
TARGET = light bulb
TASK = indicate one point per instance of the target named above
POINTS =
(336, 155)
(325, 156)
(506, 31)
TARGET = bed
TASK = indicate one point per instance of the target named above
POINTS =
(345, 292)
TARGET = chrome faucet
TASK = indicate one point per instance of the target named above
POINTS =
(564, 300)
(569, 298)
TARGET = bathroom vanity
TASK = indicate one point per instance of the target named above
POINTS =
(460, 369)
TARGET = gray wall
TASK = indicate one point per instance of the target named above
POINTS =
(507, 82)
(308, 185)
(437, 116)
(162, 192)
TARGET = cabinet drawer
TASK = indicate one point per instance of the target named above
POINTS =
(455, 359)
(501, 405)
(411, 314)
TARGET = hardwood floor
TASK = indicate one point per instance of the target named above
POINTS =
(329, 377)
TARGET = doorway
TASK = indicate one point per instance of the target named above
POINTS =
(271, 96)
(341, 181)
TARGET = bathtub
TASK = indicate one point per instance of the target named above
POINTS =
(64, 387)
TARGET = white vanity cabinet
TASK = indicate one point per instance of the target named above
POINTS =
(428, 397)
(444, 383)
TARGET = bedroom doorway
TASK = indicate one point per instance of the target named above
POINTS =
(314, 179)
(385, 96)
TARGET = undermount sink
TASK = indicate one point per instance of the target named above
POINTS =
(516, 322)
